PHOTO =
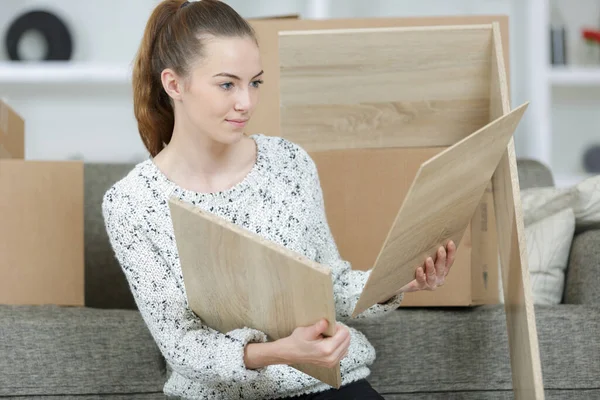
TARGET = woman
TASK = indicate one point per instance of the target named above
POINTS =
(196, 82)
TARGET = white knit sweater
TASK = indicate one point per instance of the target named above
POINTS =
(280, 199)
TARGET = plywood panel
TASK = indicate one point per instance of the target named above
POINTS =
(438, 207)
(384, 87)
(520, 316)
(266, 118)
(234, 278)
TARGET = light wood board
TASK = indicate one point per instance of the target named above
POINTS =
(235, 278)
(357, 88)
(438, 207)
(266, 117)
(519, 308)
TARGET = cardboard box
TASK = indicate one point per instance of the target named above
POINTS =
(41, 224)
(41, 234)
(361, 210)
(12, 133)
(364, 187)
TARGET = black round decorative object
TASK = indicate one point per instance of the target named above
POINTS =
(59, 43)
(591, 159)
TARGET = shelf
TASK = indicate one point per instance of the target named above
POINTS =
(574, 76)
(57, 72)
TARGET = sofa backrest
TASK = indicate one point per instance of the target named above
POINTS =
(105, 283)
(533, 173)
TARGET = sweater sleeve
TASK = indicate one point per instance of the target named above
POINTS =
(348, 283)
(192, 349)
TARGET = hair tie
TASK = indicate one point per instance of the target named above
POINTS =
(185, 4)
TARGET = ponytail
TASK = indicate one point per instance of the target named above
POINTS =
(172, 40)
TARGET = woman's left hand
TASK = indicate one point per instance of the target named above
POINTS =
(432, 274)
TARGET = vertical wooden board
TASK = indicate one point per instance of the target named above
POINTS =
(41, 233)
(520, 316)
(235, 278)
(384, 87)
(427, 220)
(266, 118)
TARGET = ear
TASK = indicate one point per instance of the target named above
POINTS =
(172, 83)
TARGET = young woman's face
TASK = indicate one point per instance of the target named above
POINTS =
(222, 90)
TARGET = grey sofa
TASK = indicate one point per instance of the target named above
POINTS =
(104, 351)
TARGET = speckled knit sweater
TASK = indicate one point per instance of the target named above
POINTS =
(280, 199)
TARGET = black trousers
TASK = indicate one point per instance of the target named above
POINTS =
(359, 390)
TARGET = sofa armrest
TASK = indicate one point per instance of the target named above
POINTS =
(582, 281)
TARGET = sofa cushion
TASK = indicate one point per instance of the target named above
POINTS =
(466, 349)
(582, 284)
(583, 198)
(105, 283)
(50, 350)
(548, 246)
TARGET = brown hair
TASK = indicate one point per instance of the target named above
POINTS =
(173, 38)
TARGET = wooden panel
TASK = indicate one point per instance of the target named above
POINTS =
(384, 87)
(266, 118)
(41, 233)
(235, 278)
(438, 207)
(520, 316)
(12, 133)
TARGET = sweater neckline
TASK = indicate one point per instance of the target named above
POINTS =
(235, 192)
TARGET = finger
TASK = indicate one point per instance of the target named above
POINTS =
(340, 335)
(412, 286)
(318, 329)
(342, 349)
(430, 272)
(450, 256)
(421, 280)
(440, 264)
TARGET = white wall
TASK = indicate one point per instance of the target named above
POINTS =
(95, 122)
(575, 109)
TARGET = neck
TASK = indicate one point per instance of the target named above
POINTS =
(200, 155)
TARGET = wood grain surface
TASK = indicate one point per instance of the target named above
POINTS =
(235, 278)
(266, 118)
(519, 307)
(384, 87)
(438, 207)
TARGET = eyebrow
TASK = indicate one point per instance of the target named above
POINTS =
(228, 75)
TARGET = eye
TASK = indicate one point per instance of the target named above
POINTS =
(226, 85)
(257, 83)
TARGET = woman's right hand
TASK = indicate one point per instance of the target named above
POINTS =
(307, 345)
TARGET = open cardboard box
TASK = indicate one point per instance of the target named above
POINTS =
(41, 223)
(371, 98)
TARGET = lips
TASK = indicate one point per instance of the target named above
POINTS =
(238, 123)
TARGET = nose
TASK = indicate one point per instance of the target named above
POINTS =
(243, 101)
